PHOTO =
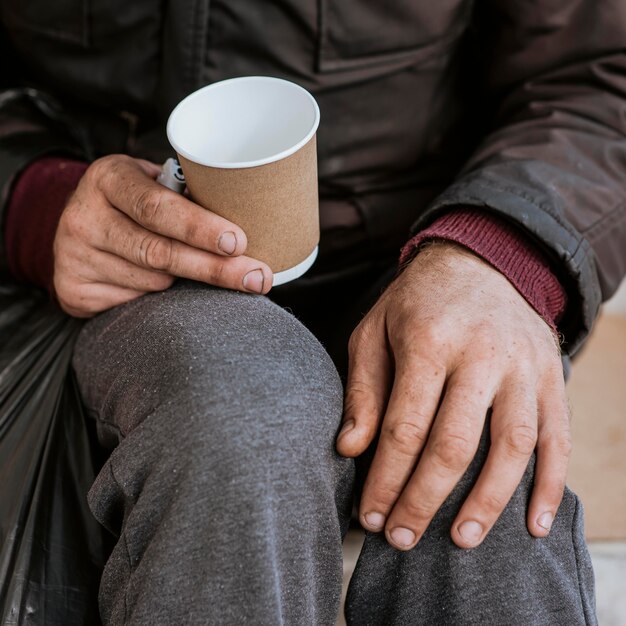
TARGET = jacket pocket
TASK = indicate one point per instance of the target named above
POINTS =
(65, 20)
(356, 33)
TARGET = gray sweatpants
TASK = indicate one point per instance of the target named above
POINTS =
(228, 501)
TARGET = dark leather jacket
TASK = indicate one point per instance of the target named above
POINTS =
(512, 106)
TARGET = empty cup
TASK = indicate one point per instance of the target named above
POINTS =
(248, 151)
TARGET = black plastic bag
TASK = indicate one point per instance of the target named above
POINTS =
(51, 548)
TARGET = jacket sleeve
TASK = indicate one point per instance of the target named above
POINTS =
(554, 159)
(32, 124)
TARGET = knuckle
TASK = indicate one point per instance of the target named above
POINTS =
(358, 389)
(417, 510)
(492, 502)
(217, 274)
(433, 335)
(364, 333)
(520, 440)
(63, 290)
(72, 301)
(71, 221)
(99, 167)
(522, 373)
(156, 252)
(359, 395)
(361, 387)
(148, 206)
(562, 444)
(381, 499)
(407, 437)
(356, 341)
(112, 235)
(117, 161)
(107, 160)
(453, 450)
(105, 168)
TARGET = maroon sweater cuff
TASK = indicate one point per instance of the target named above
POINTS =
(507, 249)
(37, 200)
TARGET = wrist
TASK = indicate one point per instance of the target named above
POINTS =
(505, 248)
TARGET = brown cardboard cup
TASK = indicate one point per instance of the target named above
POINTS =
(247, 148)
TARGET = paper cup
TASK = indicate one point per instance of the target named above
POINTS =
(247, 149)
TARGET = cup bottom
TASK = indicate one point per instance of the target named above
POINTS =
(296, 271)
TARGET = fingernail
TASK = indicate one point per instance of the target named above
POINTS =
(227, 242)
(375, 520)
(402, 536)
(545, 520)
(347, 427)
(471, 531)
(253, 281)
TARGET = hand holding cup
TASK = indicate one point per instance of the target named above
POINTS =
(247, 147)
(122, 235)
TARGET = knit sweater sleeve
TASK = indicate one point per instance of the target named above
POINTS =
(37, 200)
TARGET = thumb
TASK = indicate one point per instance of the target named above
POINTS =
(367, 390)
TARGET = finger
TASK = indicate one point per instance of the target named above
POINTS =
(151, 251)
(412, 405)
(553, 452)
(114, 270)
(92, 298)
(450, 449)
(367, 388)
(133, 191)
(513, 431)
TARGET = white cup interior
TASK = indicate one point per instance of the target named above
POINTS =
(243, 122)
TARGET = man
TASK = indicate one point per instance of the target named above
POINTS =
(497, 129)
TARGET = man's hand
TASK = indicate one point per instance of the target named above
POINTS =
(122, 235)
(449, 339)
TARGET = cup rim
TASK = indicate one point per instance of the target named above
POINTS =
(241, 164)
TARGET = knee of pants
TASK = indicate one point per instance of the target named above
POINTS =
(214, 372)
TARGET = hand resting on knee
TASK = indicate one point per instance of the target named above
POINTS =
(448, 340)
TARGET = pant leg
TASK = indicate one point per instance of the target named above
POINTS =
(511, 579)
(223, 488)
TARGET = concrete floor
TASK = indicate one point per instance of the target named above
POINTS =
(609, 562)
(597, 391)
